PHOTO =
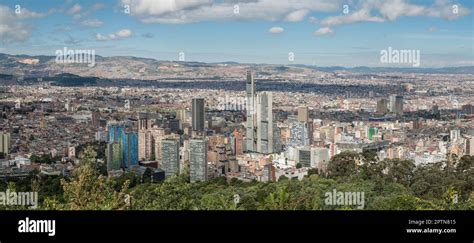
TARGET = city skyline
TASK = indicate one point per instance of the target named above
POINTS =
(163, 138)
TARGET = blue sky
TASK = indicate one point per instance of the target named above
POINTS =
(317, 32)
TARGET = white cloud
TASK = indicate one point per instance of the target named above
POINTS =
(189, 11)
(26, 14)
(92, 23)
(158, 7)
(393, 9)
(124, 33)
(78, 12)
(446, 10)
(121, 34)
(323, 31)
(74, 9)
(192, 11)
(362, 15)
(101, 37)
(297, 15)
(11, 26)
(276, 30)
(432, 29)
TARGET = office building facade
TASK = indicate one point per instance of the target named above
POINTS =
(5, 143)
(129, 147)
(382, 106)
(170, 157)
(303, 114)
(198, 160)
(198, 114)
(396, 104)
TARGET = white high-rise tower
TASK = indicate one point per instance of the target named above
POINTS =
(262, 134)
(251, 125)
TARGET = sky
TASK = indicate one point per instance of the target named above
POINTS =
(311, 32)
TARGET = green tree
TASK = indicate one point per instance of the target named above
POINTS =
(279, 200)
(400, 171)
(370, 155)
(342, 164)
(428, 181)
(372, 170)
(88, 189)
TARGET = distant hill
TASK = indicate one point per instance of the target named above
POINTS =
(129, 67)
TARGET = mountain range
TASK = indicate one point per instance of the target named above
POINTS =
(128, 67)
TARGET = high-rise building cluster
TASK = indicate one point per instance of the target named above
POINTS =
(244, 134)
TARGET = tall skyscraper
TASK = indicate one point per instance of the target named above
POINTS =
(303, 114)
(261, 130)
(265, 123)
(170, 154)
(198, 160)
(115, 131)
(396, 104)
(198, 113)
(157, 134)
(301, 131)
(145, 145)
(5, 143)
(382, 106)
(264, 119)
(145, 140)
(251, 124)
(129, 149)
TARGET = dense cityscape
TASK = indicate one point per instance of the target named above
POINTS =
(250, 135)
(236, 105)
